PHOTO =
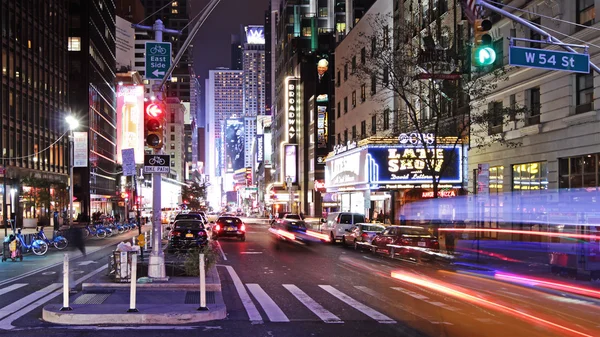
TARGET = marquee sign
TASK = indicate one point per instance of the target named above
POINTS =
(291, 93)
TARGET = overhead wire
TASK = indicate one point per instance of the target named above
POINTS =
(160, 9)
(193, 19)
(36, 153)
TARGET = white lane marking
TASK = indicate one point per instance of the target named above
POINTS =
(426, 299)
(249, 253)
(5, 323)
(374, 314)
(253, 313)
(269, 306)
(221, 250)
(385, 300)
(312, 305)
(15, 306)
(12, 287)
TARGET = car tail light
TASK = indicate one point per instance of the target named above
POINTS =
(175, 233)
(435, 244)
(202, 233)
(217, 227)
(365, 235)
(243, 228)
(404, 242)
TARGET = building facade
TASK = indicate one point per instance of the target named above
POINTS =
(34, 104)
(175, 138)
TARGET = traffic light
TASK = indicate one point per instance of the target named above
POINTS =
(483, 49)
(154, 120)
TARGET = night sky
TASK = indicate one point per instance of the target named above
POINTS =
(212, 44)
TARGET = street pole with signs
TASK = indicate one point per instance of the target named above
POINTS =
(288, 180)
(73, 123)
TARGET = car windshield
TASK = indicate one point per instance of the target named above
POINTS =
(420, 232)
(230, 221)
(188, 225)
(187, 216)
(293, 216)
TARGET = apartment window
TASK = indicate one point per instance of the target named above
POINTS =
(386, 36)
(353, 64)
(173, 138)
(172, 146)
(354, 99)
(172, 155)
(533, 35)
(338, 110)
(354, 132)
(513, 107)
(530, 176)
(338, 78)
(578, 172)
(386, 119)
(373, 85)
(363, 92)
(306, 31)
(585, 93)
(363, 129)
(74, 44)
(534, 106)
(172, 128)
(586, 12)
(373, 124)
(345, 72)
(346, 136)
(373, 46)
(386, 76)
(363, 56)
(339, 138)
(346, 104)
(496, 118)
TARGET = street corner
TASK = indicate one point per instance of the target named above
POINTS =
(146, 314)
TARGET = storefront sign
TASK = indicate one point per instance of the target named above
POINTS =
(408, 164)
(319, 185)
(415, 138)
(291, 93)
(340, 148)
(260, 148)
(441, 194)
(346, 170)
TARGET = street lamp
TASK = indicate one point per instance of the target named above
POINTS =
(288, 180)
(73, 124)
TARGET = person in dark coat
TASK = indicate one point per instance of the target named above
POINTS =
(75, 238)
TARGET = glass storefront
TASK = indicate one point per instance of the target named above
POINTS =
(528, 205)
(578, 172)
(530, 176)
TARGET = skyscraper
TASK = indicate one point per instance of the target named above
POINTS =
(93, 100)
(33, 103)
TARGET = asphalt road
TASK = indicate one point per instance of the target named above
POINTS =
(325, 290)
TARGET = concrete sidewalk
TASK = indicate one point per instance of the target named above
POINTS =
(167, 303)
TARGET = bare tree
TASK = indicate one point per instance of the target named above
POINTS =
(428, 80)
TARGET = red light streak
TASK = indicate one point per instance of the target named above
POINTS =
(480, 301)
(514, 231)
(549, 284)
(317, 235)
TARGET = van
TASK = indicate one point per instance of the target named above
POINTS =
(337, 224)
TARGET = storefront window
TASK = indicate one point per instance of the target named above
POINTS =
(578, 172)
(530, 176)
(493, 211)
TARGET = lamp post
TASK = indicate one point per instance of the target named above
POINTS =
(73, 123)
(288, 179)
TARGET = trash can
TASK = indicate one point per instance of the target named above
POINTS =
(119, 266)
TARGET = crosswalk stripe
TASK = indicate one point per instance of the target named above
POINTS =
(426, 299)
(12, 287)
(18, 305)
(376, 315)
(312, 305)
(269, 306)
(253, 313)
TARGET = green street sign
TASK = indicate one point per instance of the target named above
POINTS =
(549, 59)
(158, 59)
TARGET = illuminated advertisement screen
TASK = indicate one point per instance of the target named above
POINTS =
(291, 162)
(130, 120)
(401, 164)
(255, 34)
(260, 148)
(347, 170)
(234, 145)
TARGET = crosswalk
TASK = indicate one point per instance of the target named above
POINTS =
(329, 304)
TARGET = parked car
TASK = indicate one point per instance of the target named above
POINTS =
(229, 226)
(362, 233)
(192, 216)
(186, 234)
(406, 237)
(337, 223)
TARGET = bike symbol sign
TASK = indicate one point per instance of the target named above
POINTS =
(158, 59)
(157, 163)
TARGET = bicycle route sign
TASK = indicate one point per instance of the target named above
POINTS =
(157, 163)
(158, 59)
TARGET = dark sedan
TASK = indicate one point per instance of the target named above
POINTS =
(186, 234)
(406, 240)
(229, 226)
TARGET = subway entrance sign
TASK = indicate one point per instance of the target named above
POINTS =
(548, 59)
(158, 59)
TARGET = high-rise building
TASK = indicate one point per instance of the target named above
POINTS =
(253, 60)
(174, 15)
(175, 137)
(33, 103)
(92, 99)
(236, 52)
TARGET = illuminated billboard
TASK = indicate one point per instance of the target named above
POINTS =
(234, 145)
(260, 148)
(290, 157)
(130, 120)
(291, 106)
(255, 34)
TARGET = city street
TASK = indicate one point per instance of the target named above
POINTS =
(317, 290)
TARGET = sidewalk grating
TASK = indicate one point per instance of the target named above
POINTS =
(193, 297)
(91, 299)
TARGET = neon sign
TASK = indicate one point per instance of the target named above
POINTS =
(291, 95)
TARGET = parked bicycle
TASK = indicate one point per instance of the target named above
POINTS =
(94, 231)
(37, 246)
(58, 241)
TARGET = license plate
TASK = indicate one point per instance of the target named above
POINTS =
(189, 235)
(422, 244)
(230, 229)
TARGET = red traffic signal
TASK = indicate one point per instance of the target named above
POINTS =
(154, 119)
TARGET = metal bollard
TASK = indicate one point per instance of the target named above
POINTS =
(133, 289)
(203, 306)
(145, 240)
(66, 289)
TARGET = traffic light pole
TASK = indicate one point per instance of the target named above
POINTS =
(533, 27)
